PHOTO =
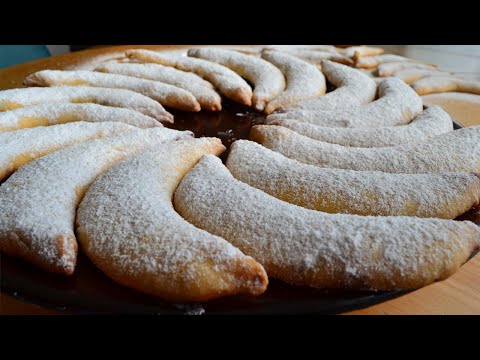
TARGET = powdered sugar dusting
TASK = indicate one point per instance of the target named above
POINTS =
(302, 246)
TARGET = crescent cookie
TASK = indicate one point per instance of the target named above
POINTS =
(390, 68)
(376, 193)
(456, 151)
(18, 148)
(397, 105)
(38, 202)
(60, 113)
(127, 226)
(439, 84)
(267, 79)
(315, 57)
(165, 94)
(307, 247)
(227, 81)
(304, 81)
(431, 122)
(353, 88)
(18, 98)
(373, 61)
(202, 90)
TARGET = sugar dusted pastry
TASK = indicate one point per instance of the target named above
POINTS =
(267, 79)
(202, 90)
(353, 88)
(373, 61)
(304, 81)
(229, 83)
(149, 247)
(357, 52)
(456, 151)
(431, 122)
(307, 247)
(412, 75)
(316, 57)
(18, 98)
(390, 68)
(38, 202)
(398, 104)
(439, 84)
(165, 94)
(18, 148)
(446, 195)
(60, 113)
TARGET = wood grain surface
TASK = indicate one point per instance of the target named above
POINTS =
(460, 294)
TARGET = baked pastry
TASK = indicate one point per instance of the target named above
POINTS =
(376, 193)
(357, 52)
(390, 68)
(268, 80)
(439, 84)
(307, 247)
(397, 104)
(304, 81)
(202, 90)
(18, 148)
(38, 202)
(18, 98)
(353, 88)
(315, 57)
(412, 75)
(127, 226)
(225, 80)
(373, 61)
(165, 94)
(456, 151)
(429, 123)
(60, 113)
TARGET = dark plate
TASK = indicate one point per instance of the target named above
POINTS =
(90, 291)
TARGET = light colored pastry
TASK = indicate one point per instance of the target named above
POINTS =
(440, 84)
(165, 94)
(202, 90)
(456, 151)
(374, 61)
(307, 247)
(431, 122)
(60, 113)
(228, 82)
(18, 148)
(315, 57)
(267, 79)
(146, 245)
(304, 81)
(390, 68)
(397, 104)
(412, 75)
(445, 196)
(17, 98)
(38, 202)
(353, 88)
(357, 52)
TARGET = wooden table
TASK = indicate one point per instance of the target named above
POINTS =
(460, 294)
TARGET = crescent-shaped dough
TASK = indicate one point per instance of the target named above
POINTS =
(227, 81)
(353, 88)
(315, 57)
(304, 81)
(412, 75)
(267, 79)
(376, 193)
(439, 84)
(38, 202)
(165, 94)
(303, 246)
(127, 226)
(202, 90)
(356, 52)
(18, 98)
(60, 113)
(456, 151)
(373, 61)
(18, 148)
(398, 104)
(431, 122)
(390, 68)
